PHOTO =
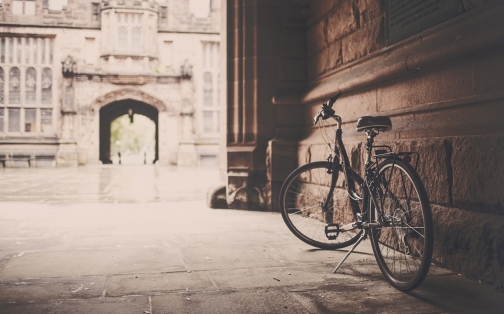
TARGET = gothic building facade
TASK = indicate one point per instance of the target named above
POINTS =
(67, 71)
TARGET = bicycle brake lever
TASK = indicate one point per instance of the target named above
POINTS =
(317, 117)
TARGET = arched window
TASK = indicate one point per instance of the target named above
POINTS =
(31, 86)
(47, 86)
(122, 38)
(136, 38)
(14, 86)
(2, 79)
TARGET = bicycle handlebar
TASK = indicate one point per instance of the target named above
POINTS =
(327, 110)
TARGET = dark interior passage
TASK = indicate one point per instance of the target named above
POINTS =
(116, 109)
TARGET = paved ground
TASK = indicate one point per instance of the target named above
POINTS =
(140, 239)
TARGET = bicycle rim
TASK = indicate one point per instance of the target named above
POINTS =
(403, 249)
(301, 200)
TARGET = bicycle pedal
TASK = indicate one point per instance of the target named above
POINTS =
(332, 231)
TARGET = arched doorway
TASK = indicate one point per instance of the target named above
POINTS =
(119, 108)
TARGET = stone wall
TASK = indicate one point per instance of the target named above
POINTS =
(449, 110)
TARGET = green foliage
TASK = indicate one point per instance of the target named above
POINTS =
(133, 138)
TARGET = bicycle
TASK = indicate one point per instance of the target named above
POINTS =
(389, 205)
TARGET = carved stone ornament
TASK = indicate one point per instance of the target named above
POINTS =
(68, 67)
(186, 70)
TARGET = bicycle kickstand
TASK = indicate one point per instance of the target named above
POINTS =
(363, 235)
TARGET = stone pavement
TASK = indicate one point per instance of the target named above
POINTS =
(141, 240)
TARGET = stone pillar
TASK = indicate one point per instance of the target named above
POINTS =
(260, 58)
(187, 155)
(67, 155)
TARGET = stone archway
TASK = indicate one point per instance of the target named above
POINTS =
(110, 106)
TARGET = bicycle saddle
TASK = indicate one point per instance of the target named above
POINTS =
(381, 123)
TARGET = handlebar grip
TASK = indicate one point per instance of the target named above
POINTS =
(333, 99)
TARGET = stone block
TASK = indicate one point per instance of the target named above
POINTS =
(489, 73)
(478, 172)
(441, 84)
(433, 165)
(370, 10)
(342, 21)
(363, 41)
(469, 243)
(319, 9)
(315, 37)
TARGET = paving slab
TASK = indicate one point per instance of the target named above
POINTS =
(46, 289)
(87, 263)
(124, 305)
(120, 285)
(233, 256)
(303, 276)
(275, 301)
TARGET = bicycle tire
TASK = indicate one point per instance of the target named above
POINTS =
(301, 198)
(403, 250)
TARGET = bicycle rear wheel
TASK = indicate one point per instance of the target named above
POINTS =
(302, 197)
(403, 245)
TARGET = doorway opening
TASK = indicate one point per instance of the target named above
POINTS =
(129, 133)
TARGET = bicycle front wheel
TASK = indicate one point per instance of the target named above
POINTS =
(403, 245)
(302, 199)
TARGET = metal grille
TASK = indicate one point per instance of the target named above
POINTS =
(405, 17)
(1, 86)
(30, 120)
(14, 86)
(14, 119)
(46, 120)
(31, 86)
(47, 86)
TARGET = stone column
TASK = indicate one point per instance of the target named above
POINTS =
(67, 152)
(265, 50)
(187, 155)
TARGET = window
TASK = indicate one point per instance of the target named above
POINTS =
(1, 88)
(14, 86)
(136, 38)
(208, 122)
(122, 38)
(1, 120)
(46, 120)
(30, 86)
(23, 7)
(14, 119)
(26, 98)
(30, 120)
(207, 89)
(210, 102)
(46, 87)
